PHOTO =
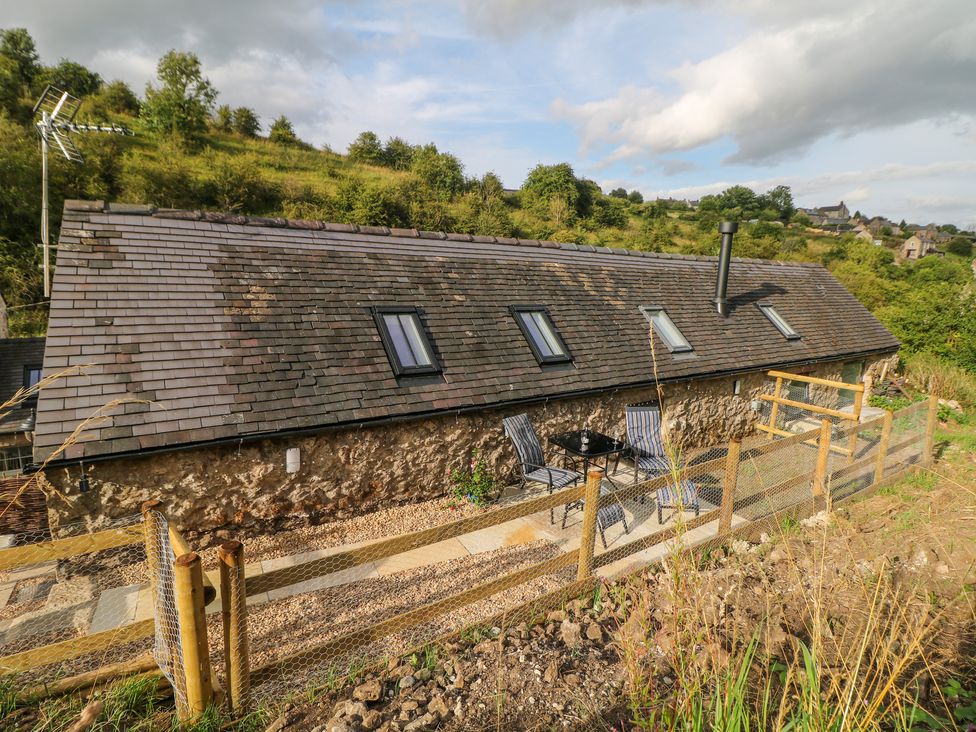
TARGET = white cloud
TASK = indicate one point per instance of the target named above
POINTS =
(800, 75)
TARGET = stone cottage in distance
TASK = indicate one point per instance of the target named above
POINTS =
(385, 355)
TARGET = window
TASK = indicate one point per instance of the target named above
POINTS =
(544, 340)
(776, 319)
(14, 459)
(666, 330)
(405, 340)
(32, 374)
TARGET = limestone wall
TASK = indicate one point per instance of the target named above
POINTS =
(355, 471)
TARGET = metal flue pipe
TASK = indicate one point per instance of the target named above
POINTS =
(727, 229)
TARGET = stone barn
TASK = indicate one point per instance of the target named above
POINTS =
(265, 369)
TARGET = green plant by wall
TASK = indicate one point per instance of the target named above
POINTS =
(474, 483)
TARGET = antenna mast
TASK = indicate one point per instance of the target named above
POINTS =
(56, 124)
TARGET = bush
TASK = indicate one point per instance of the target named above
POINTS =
(935, 375)
(236, 183)
(474, 483)
(366, 148)
(440, 172)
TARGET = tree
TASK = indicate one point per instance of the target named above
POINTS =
(618, 193)
(441, 172)
(366, 148)
(117, 97)
(18, 45)
(780, 198)
(398, 153)
(71, 77)
(554, 192)
(245, 122)
(282, 133)
(960, 245)
(635, 196)
(180, 106)
(10, 85)
(223, 118)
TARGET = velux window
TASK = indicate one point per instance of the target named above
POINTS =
(406, 341)
(666, 330)
(776, 319)
(544, 340)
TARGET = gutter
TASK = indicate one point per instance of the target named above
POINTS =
(416, 416)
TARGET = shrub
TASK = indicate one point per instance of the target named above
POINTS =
(475, 483)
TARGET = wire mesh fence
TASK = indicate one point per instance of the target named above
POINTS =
(296, 622)
(73, 603)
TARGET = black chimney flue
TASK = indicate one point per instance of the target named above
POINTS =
(727, 229)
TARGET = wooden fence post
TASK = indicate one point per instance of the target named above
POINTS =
(233, 612)
(931, 422)
(188, 578)
(728, 486)
(852, 440)
(879, 466)
(774, 412)
(156, 527)
(588, 535)
(820, 476)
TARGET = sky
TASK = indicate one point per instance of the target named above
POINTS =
(869, 101)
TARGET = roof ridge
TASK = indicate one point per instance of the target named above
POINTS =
(217, 217)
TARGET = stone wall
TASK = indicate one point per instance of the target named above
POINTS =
(353, 471)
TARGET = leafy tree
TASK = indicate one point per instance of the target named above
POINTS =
(223, 118)
(618, 193)
(366, 148)
(180, 106)
(780, 198)
(18, 45)
(440, 172)
(71, 77)
(282, 133)
(116, 97)
(236, 183)
(484, 210)
(554, 192)
(949, 229)
(886, 231)
(635, 196)
(960, 246)
(609, 212)
(397, 154)
(10, 85)
(800, 218)
(245, 122)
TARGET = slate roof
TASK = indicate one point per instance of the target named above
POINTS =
(15, 355)
(238, 327)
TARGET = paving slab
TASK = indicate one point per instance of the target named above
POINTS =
(442, 551)
(116, 607)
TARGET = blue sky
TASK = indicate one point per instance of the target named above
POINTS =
(872, 101)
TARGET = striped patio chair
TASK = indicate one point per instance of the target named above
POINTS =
(610, 515)
(651, 459)
(646, 444)
(533, 462)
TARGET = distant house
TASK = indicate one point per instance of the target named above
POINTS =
(915, 247)
(877, 223)
(839, 212)
(21, 361)
(866, 235)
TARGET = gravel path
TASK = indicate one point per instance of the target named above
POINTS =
(376, 525)
(280, 628)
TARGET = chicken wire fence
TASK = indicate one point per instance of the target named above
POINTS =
(317, 616)
(73, 602)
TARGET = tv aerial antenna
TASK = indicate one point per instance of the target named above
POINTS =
(55, 121)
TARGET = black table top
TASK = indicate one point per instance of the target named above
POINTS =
(598, 446)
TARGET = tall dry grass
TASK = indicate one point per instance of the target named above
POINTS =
(707, 650)
(935, 375)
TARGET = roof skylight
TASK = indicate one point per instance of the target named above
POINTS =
(776, 319)
(666, 330)
(544, 340)
(406, 341)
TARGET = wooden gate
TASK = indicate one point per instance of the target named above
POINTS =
(850, 419)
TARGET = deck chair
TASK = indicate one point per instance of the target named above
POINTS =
(651, 459)
(532, 460)
(606, 516)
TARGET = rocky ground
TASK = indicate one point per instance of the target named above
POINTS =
(574, 667)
